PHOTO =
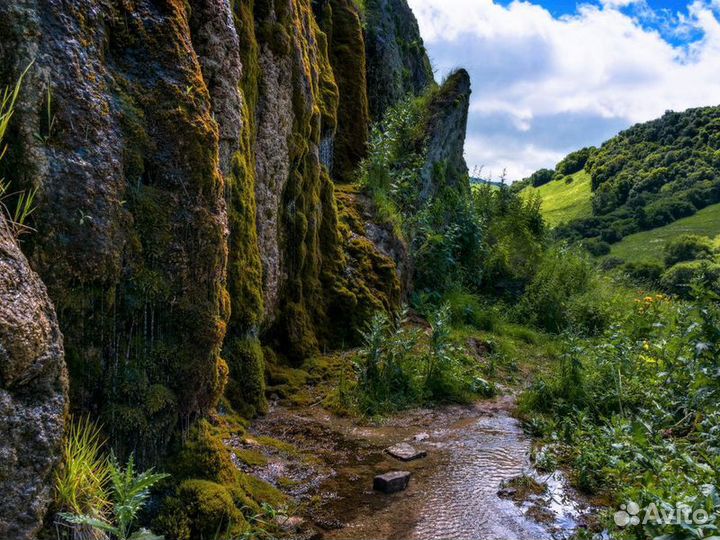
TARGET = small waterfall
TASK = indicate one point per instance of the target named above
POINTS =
(327, 149)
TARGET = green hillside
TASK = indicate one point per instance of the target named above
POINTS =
(649, 245)
(564, 201)
(651, 175)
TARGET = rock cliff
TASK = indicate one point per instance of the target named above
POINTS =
(397, 63)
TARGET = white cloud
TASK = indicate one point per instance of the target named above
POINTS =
(602, 62)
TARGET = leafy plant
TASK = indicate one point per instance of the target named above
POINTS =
(95, 492)
(129, 490)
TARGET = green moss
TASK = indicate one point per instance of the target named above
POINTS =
(370, 281)
(249, 457)
(212, 493)
(201, 509)
(204, 456)
(135, 256)
(242, 349)
(246, 388)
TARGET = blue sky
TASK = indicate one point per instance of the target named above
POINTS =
(553, 76)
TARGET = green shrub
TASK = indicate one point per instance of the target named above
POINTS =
(611, 263)
(681, 278)
(541, 177)
(399, 366)
(561, 275)
(647, 273)
(688, 247)
(467, 309)
(596, 247)
(574, 162)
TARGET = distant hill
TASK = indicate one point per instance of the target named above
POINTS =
(653, 174)
(565, 199)
(648, 176)
(483, 181)
(649, 246)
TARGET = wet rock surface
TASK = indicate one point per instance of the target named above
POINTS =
(391, 482)
(33, 393)
(405, 452)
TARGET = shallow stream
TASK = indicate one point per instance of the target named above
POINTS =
(453, 492)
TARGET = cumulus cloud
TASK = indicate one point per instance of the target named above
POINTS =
(602, 68)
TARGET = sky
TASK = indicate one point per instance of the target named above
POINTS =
(552, 76)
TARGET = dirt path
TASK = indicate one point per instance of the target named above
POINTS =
(453, 492)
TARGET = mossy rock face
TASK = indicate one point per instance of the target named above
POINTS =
(371, 281)
(186, 211)
(445, 130)
(296, 116)
(131, 223)
(397, 63)
(341, 21)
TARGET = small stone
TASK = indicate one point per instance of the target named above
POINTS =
(421, 437)
(405, 452)
(507, 493)
(289, 523)
(391, 482)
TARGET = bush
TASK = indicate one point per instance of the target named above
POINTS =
(681, 278)
(541, 177)
(574, 162)
(610, 263)
(644, 272)
(466, 309)
(399, 366)
(596, 247)
(688, 247)
(562, 274)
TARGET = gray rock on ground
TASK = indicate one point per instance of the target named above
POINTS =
(405, 452)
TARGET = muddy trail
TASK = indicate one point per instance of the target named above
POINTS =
(472, 452)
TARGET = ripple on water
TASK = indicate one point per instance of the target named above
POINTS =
(461, 499)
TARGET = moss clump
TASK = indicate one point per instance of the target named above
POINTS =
(212, 493)
(250, 458)
(201, 509)
(204, 456)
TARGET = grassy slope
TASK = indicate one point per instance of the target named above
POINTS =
(563, 202)
(649, 245)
